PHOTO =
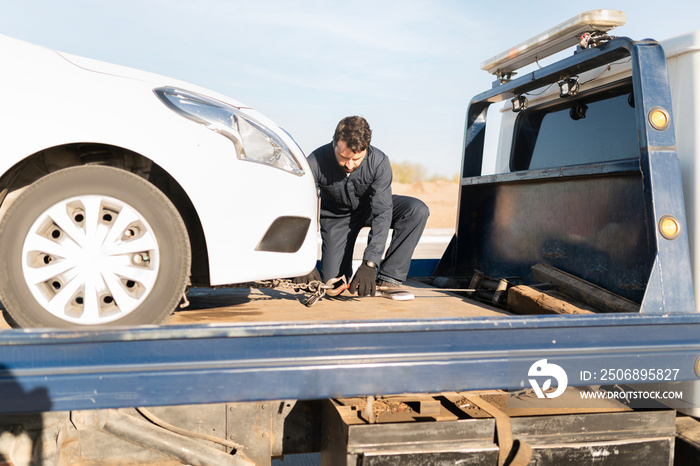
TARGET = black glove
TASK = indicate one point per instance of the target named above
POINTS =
(365, 280)
(308, 278)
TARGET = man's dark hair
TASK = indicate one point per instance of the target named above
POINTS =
(355, 131)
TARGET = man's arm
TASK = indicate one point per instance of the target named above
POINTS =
(381, 213)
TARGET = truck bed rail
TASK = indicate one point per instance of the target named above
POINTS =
(57, 371)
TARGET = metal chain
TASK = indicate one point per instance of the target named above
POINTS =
(316, 287)
(310, 287)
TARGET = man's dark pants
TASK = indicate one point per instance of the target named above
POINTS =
(409, 216)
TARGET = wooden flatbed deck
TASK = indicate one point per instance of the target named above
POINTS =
(282, 305)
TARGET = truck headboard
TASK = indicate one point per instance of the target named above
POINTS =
(600, 217)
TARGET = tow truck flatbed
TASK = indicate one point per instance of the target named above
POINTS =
(229, 362)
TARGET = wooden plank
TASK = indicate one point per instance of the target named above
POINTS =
(527, 300)
(583, 290)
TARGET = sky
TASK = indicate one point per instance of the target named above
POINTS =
(409, 67)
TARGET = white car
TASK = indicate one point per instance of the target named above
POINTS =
(119, 188)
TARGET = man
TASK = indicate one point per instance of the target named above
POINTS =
(354, 181)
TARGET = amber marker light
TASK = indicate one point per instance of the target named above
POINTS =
(669, 227)
(659, 118)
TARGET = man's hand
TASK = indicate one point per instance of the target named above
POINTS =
(308, 278)
(365, 280)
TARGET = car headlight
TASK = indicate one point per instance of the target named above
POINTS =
(253, 140)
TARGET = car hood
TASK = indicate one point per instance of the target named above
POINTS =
(97, 66)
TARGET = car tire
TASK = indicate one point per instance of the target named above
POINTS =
(92, 246)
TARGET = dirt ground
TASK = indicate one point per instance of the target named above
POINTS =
(440, 196)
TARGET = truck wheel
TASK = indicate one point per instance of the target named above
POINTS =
(92, 246)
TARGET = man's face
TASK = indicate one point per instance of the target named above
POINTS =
(347, 159)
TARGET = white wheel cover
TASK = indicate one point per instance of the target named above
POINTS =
(90, 259)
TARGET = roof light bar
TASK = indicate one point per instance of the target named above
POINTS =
(553, 40)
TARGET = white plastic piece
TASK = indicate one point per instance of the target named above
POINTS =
(398, 295)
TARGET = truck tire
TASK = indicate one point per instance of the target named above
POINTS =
(92, 246)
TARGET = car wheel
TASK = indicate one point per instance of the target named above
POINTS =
(92, 246)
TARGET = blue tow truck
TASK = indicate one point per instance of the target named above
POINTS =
(574, 339)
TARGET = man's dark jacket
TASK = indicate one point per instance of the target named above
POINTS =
(367, 190)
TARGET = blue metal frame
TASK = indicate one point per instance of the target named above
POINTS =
(206, 364)
(669, 287)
